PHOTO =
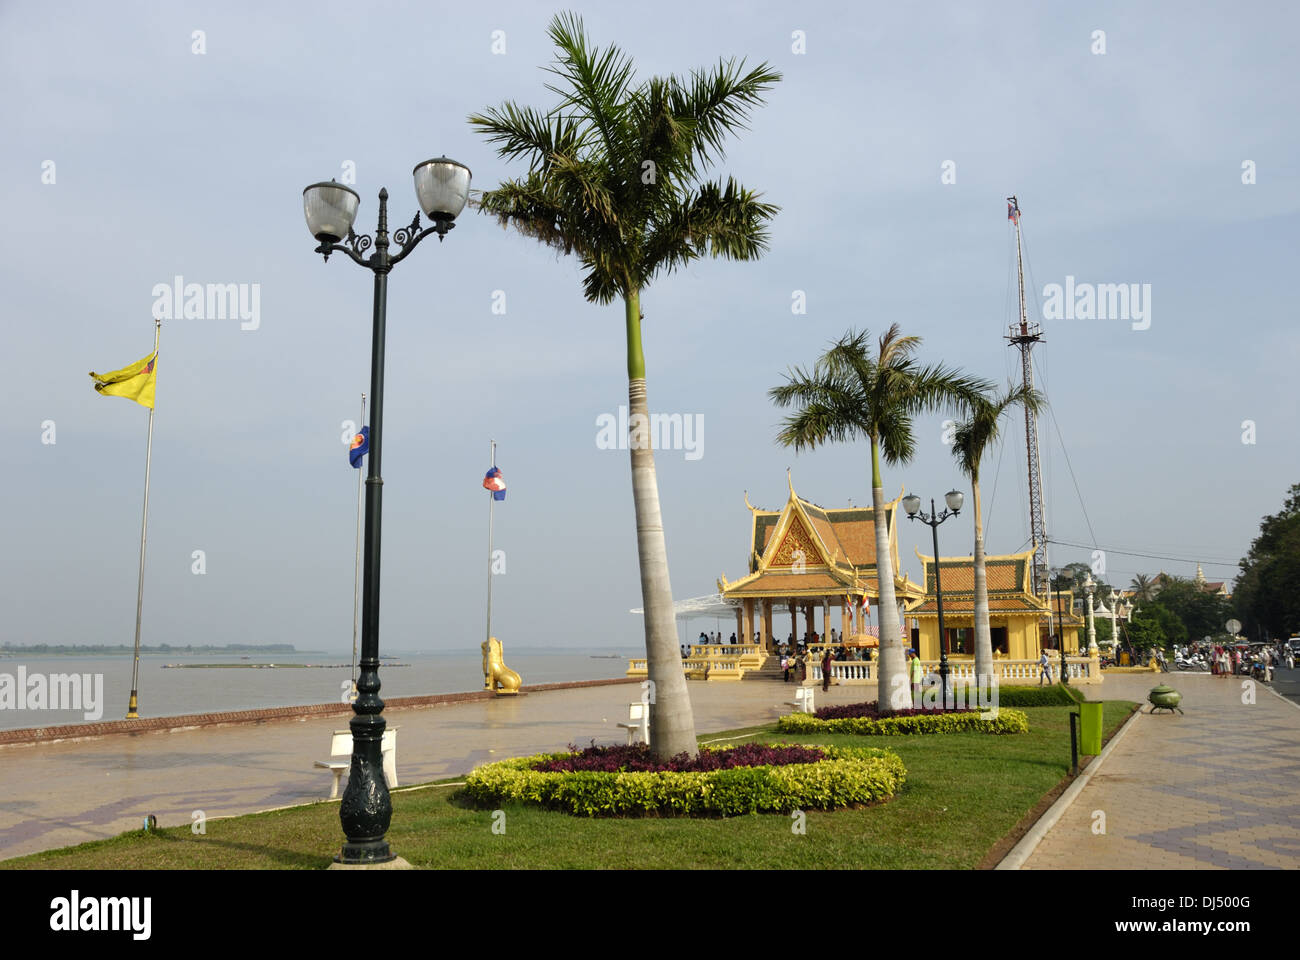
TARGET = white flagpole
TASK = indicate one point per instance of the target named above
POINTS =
(132, 708)
(356, 576)
(491, 500)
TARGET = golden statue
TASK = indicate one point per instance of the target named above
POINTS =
(496, 675)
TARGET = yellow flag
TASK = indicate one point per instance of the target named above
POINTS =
(135, 382)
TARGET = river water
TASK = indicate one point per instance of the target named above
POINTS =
(252, 683)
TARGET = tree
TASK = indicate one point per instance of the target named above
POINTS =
(1201, 614)
(616, 177)
(852, 393)
(1143, 588)
(1155, 625)
(1267, 594)
(973, 438)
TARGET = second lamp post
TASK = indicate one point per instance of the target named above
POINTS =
(442, 187)
(912, 505)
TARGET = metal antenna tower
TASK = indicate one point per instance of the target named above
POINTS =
(1024, 336)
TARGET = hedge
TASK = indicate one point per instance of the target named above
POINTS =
(1005, 721)
(849, 776)
(1055, 695)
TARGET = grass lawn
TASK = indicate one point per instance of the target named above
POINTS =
(964, 792)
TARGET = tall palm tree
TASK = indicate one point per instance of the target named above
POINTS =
(1142, 587)
(617, 176)
(974, 436)
(855, 393)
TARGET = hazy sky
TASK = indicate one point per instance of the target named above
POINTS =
(169, 162)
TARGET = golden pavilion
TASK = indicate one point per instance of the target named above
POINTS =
(1020, 623)
(804, 556)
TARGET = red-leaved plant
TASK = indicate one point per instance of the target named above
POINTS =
(637, 757)
(871, 710)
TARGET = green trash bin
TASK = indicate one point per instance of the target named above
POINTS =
(1090, 734)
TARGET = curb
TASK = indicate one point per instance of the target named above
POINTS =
(1030, 841)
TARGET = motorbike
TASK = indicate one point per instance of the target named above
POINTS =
(1194, 662)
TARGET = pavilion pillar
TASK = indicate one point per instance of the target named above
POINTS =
(809, 616)
(826, 617)
(768, 640)
(740, 626)
(794, 626)
(844, 619)
(747, 621)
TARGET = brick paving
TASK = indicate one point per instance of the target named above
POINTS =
(1215, 788)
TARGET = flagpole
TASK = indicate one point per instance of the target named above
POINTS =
(133, 706)
(491, 500)
(356, 576)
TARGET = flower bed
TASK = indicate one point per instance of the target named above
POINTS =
(638, 758)
(872, 709)
(929, 721)
(837, 777)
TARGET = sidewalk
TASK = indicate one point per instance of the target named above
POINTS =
(1218, 787)
(55, 795)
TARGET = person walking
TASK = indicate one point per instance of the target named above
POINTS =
(1044, 673)
(826, 670)
(917, 672)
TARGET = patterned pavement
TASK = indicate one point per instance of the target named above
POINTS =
(1216, 787)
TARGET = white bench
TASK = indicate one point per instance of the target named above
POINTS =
(341, 746)
(638, 715)
(803, 700)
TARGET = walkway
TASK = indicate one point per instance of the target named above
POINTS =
(1218, 787)
(54, 795)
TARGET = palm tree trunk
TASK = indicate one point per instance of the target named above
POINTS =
(892, 690)
(983, 635)
(672, 724)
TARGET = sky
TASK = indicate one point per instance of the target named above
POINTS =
(1151, 144)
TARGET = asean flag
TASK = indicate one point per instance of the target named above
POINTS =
(360, 447)
(493, 481)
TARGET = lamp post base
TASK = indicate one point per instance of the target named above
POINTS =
(396, 863)
(368, 853)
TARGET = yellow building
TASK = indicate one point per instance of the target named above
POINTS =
(1020, 623)
(802, 557)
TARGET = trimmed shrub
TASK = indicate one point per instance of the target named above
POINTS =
(1056, 695)
(845, 776)
(638, 758)
(872, 709)
(1006, 721)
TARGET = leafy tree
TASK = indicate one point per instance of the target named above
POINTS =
(973, 438)
(1267, 594)
(1143, 588)
(855, 392)
(617, 177)
(1155, 625)
(1202, 614)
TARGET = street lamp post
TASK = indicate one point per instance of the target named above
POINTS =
(442, 187)
(1089, 588)
(1057, 572)
(912, 505)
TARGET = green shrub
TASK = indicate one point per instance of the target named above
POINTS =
(847, 777)
(1006, 721)
(1056, 695)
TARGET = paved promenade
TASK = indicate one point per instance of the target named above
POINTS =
(54, 795)
(1218, 787)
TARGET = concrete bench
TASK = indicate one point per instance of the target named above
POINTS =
(803, 700)
(638, 715)
(341, 746)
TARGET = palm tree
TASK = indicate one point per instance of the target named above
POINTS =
(852, 394)
(973, 437)
(1142, 587)
(616, 176)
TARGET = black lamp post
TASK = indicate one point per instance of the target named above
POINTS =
(442, 187)
(1057, 572)
(912, 506)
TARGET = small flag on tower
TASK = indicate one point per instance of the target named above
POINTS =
(1013, 212)
(360, 447)
(496, 483)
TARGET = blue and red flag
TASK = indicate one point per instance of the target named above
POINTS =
(496, 483)
(360, 447)
(1013, 212)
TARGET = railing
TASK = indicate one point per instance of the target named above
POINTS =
(1080, 669)
(638, 667)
